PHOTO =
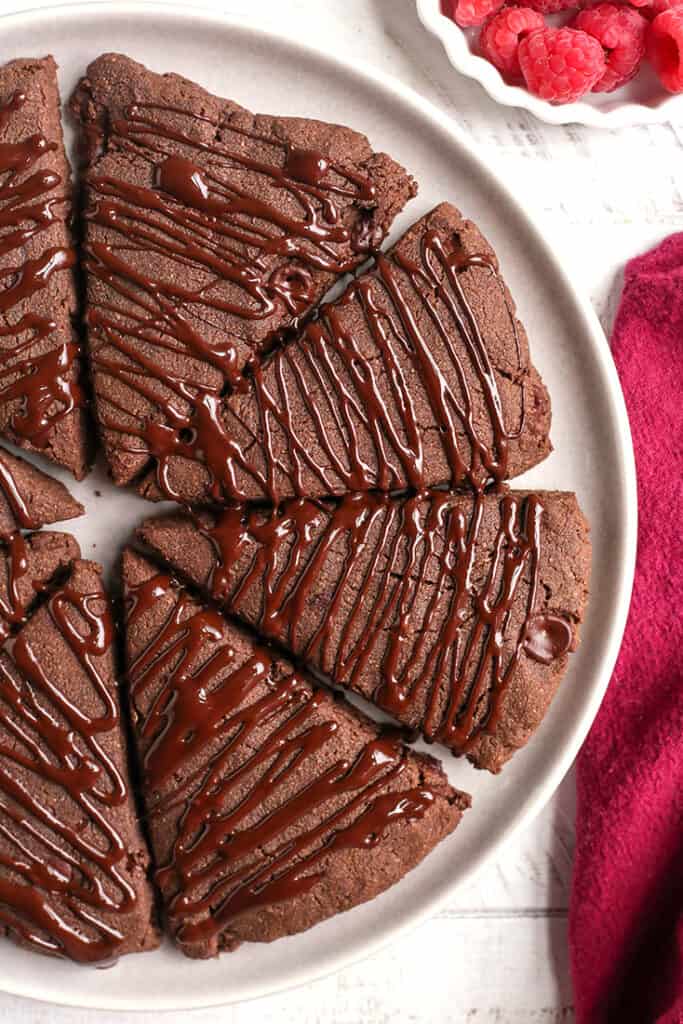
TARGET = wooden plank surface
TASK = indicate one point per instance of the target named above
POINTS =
(497, 954)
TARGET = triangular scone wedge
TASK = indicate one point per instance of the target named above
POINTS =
(30, 498)
(456, 614)
(270, 805)
(209, 231)
(42, 405)
(28, 565)
(73, 862)
(419, 375)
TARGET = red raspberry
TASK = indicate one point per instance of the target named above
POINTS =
(553, 6)
(621, 33)
(655, 6)
(663, 5)
(473, 12)
(561, 64)
(665, 48)
(651, 8)
(499, 39)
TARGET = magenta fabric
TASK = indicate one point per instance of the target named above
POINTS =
(626, 915)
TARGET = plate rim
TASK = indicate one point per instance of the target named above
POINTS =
(478, 69)
(392, 86)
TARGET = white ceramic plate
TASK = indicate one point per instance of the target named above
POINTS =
(642, 101)
(593, 456)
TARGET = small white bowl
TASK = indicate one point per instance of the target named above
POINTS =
(642, 101)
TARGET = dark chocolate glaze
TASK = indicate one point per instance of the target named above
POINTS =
(13, 608)
(17, 504)
(374, 614)
(30, 202)
(309, 167)
(547, 637)
(202, 715)
(59, 879)
(202, 216)
(334, 358)
(191, 423)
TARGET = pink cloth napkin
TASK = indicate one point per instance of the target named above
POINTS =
(626, 916)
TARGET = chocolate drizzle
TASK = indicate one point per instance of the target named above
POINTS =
(14, 607)
(63, 882)
(230, 748)
(17, 504)
(547, 637)
(421, 604)
(337, 411)
(40, 380)
(215, 215)
(359, 396)
(15, 551)
(311, 168)
(393, 386)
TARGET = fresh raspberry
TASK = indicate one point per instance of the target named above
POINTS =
(554, 6)
(561, 64)
(651, 8)
(621, 32)
(665, 48)
(499, 39)
(472, 12)
(657, 6)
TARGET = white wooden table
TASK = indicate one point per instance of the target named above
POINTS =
(498, 953)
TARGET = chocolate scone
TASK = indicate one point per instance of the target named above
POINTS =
(28, 564)
(270, 805)
(209, 231)
(30, 498)
(418, 375)
(453, 613)
(41, 401)
(73, 862)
